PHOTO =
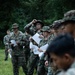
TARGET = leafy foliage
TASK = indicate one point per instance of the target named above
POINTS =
(23, 11)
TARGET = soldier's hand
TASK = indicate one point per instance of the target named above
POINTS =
(34, 21)
(46, 63)
(41, 36)
(6, 43)
(18, 43)
(9, 50)
(30, 39)
(11, 44)
(40, 50)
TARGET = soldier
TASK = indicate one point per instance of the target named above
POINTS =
(6, 43)
(41, 70)
(58, 27)
(69, 22)
(16, 43)
(26, 46)
(33, 27)
(62, 52)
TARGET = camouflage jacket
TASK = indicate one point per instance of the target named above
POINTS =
(31, 29)
(26, 39)
(19, 38)
(70, 71)
(6, 40)
(43, 41)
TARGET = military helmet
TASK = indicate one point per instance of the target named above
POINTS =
(39, 21)
(56, 24)
(45, 28)
(69, 16)
(70, 13)
(68, 20)
(15, 25)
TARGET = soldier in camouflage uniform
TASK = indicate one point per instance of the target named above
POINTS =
(66, 25)
(26, 46)
(6, 43)
(18, 56)
(69, 22)
(41, 70)
(57, 29)
(62, 52)
(33, 27)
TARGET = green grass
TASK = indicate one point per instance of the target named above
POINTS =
(6, 66)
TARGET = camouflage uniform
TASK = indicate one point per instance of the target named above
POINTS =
(30, 28)
(33, 59)
(41, 70)
(26, 46)
(6, 43)
(18, 56)
(51, 69)
(69, 17)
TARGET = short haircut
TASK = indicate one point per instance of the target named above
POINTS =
(62, 44)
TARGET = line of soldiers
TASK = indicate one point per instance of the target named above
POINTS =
(59, 56)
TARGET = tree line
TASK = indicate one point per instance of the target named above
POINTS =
(23, 11)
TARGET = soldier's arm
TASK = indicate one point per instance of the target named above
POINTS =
(10, 46)
(21, 42)
(30, 24)
(5, 41)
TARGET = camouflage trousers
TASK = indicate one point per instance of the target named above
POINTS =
(41, 69)
(32, 63)
(6, 53)
(27, 54)
(27, 58)
(18, 61)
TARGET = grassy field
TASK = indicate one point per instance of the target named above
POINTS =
(6, 66)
